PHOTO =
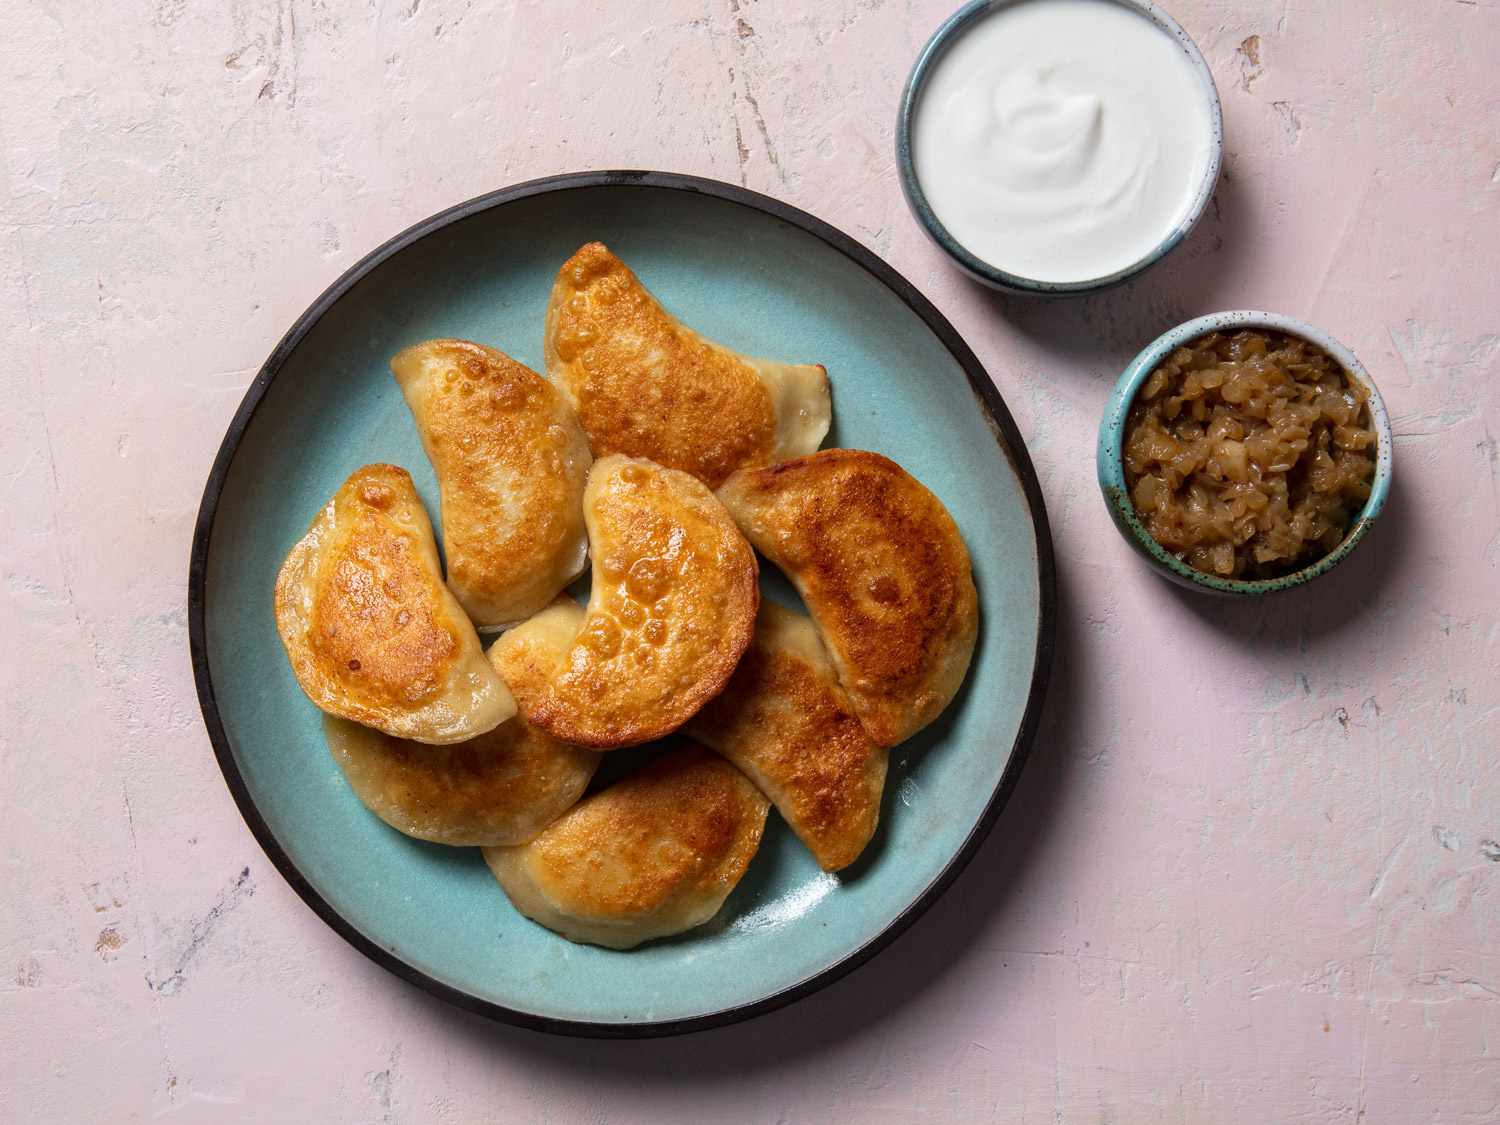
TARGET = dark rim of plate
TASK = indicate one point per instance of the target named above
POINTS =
(1011, 445)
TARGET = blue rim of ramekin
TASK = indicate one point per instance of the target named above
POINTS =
(1111, 465)
(949, 33)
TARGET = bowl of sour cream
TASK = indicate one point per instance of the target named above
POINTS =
(1058, 147)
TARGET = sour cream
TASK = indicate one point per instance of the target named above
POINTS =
(1063, 140)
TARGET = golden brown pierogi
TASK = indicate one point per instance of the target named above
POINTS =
(883, 570)
(654, 854)
(372, 632)
(501, 788)
(788, 725)
(671, 608)
(646, 385)
(511, 461)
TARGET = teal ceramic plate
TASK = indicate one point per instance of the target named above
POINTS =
(761, 277)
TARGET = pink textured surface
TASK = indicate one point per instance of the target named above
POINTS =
(1252, 874)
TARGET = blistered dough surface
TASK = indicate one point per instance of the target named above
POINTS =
(511, 461)
(671, 609)
(788, 725)
(654, 854)
(372, 633)
(646, 385)
(883, 570)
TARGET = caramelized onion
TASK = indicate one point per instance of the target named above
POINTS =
(1249, 455)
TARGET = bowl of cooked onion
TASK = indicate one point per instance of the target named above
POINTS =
(1245, 453)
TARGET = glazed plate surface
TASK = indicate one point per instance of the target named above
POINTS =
(760, 277)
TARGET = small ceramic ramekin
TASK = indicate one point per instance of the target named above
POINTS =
(944, 38)
(1111, 464)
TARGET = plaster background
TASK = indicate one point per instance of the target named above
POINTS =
(1251, 874)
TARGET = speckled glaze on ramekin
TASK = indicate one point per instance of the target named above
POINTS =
(952, 29)
(1112, 467)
